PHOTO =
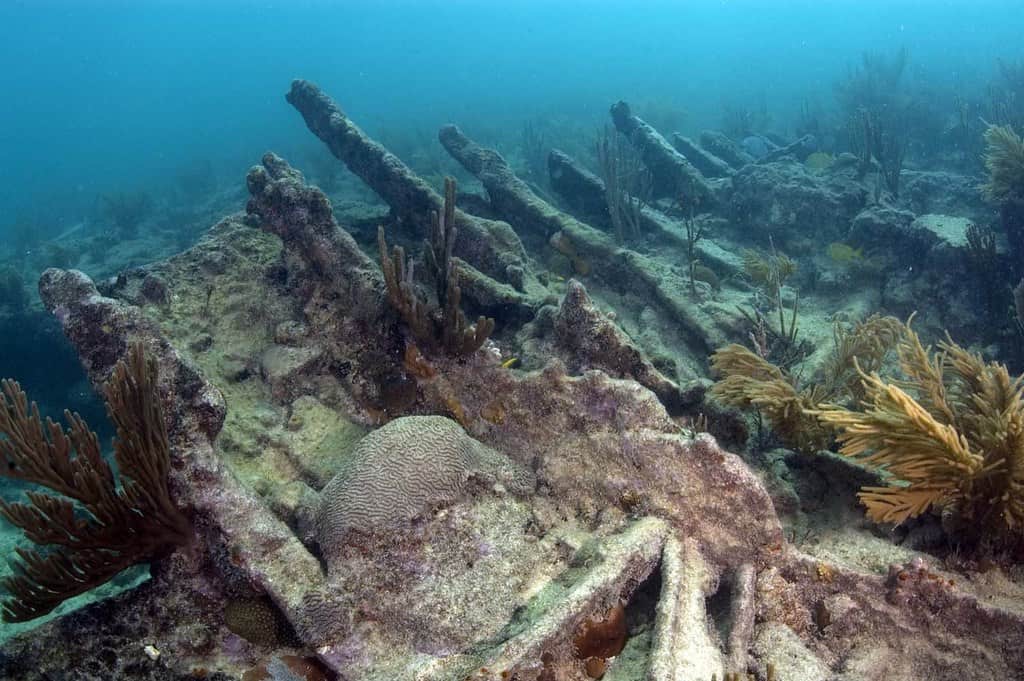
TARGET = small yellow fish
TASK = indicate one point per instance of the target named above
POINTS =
(819, 160)
(840, 252)
(563, 245)
(510, 362)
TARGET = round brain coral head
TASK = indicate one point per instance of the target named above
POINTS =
(404, 469)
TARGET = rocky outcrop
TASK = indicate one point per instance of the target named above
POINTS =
(784, 200)
(886, 229)
(811, 615)
(227, 515)
(945, 193)
(593, 341)
(282, 203)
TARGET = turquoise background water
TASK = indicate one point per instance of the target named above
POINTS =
(112, 95)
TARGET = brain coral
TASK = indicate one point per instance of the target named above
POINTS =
(402, 470)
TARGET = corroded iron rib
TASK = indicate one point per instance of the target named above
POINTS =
(490, 246)
(674, 175)
(263, 548)
(684, 646)
(529, 213)
(627, 560)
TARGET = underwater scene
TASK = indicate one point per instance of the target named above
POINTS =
(409, 340)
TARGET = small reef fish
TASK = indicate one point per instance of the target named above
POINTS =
(819, 160)
(510, 362)
(840, 252)
(561, 243)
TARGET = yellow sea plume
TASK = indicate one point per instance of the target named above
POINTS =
(1004, 160)
(770, 270)
(951, 436)
(862, 346)
(748, 381)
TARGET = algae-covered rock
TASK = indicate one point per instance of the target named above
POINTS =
(785, 200)
(943, 192)
(884, 227)
(778, 645)
(596, 342)
(283, 366)
(946, 228)
(320, 438)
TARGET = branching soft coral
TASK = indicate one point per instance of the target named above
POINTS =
(441, 323)
(769, 272)
(747, 380)
(750, 381)
(94, 527)
(861, 347)
(951, 437)
(1004, 160)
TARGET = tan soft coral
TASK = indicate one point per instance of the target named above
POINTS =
(747, 381)
(951, 436)
(750, 381)
(1004, 160)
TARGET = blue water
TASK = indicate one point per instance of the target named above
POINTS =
(99, 96)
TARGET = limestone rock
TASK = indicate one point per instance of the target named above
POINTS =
(283, 367)
(887, 229)
(319, 439)
(945, 193)
(945, 228)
